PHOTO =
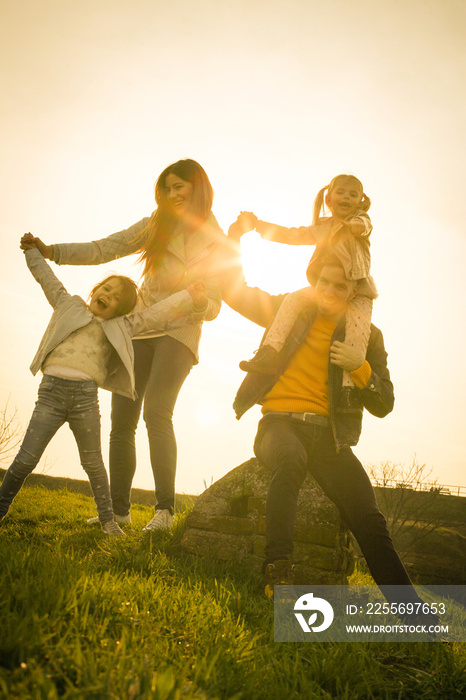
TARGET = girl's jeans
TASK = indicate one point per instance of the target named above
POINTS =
(160, 366)
(62, 401)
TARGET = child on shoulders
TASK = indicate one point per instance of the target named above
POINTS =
(345, 234)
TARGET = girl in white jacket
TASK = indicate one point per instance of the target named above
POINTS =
(86, 346)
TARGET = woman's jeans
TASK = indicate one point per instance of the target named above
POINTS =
(62, 401)
(161, 366)
(291, 448)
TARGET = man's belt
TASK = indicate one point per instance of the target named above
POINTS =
(314, 418)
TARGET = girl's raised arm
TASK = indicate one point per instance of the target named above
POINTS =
(53, 289)
(247, 221)
(302, 235)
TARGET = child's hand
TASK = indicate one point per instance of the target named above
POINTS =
(198, 293)
(29, 241)
(345, 356)
(245, 222)
(355, 226)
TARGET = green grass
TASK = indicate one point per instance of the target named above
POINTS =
(83, 616)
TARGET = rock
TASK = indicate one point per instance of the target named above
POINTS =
(228, 522)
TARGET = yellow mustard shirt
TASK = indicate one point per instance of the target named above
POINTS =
(303, 386)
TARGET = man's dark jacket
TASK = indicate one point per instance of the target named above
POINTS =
(377, 396)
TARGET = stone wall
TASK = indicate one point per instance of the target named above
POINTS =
(228, 522)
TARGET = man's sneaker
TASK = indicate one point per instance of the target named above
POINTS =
(120, 519)
(112, 529)
(265, 361)
(162, 520)
(279, 573)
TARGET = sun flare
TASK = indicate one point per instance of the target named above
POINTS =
(275, 267)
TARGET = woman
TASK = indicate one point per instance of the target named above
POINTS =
(178, 245)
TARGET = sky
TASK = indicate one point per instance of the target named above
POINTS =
(273, 98)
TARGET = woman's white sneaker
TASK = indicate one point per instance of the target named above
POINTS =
(112, 529)
(162, 520)
(120, 519)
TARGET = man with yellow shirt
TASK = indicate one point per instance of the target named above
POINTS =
(306, 425)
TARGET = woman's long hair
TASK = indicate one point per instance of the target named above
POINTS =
(164, 221)
(336, 182)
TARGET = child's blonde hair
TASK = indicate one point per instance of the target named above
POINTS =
(322, 195)
(129, 295)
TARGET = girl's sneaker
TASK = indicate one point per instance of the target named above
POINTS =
(112, 529)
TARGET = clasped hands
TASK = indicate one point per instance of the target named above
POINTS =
(29, 241)
(246, 221)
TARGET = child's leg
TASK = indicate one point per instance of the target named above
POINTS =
(358, 328)
(48, 416)
(84, 421)
(286, 316)
(266, 359)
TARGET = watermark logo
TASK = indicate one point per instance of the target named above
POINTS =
(362, 614)
(309, 604)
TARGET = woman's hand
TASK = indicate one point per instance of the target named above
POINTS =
(245, 222)
(29, 241)
(197, 291)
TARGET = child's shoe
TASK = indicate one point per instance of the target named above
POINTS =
(112, 529)
(265, 361)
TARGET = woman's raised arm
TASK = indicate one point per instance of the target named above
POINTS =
(117, 245)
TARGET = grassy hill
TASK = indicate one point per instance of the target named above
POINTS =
(84, 616)
(58, 483)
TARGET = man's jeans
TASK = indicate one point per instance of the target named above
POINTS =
(289, 448)
(160, 365)
(62, 401)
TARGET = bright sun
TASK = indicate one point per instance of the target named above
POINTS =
(275, 267)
